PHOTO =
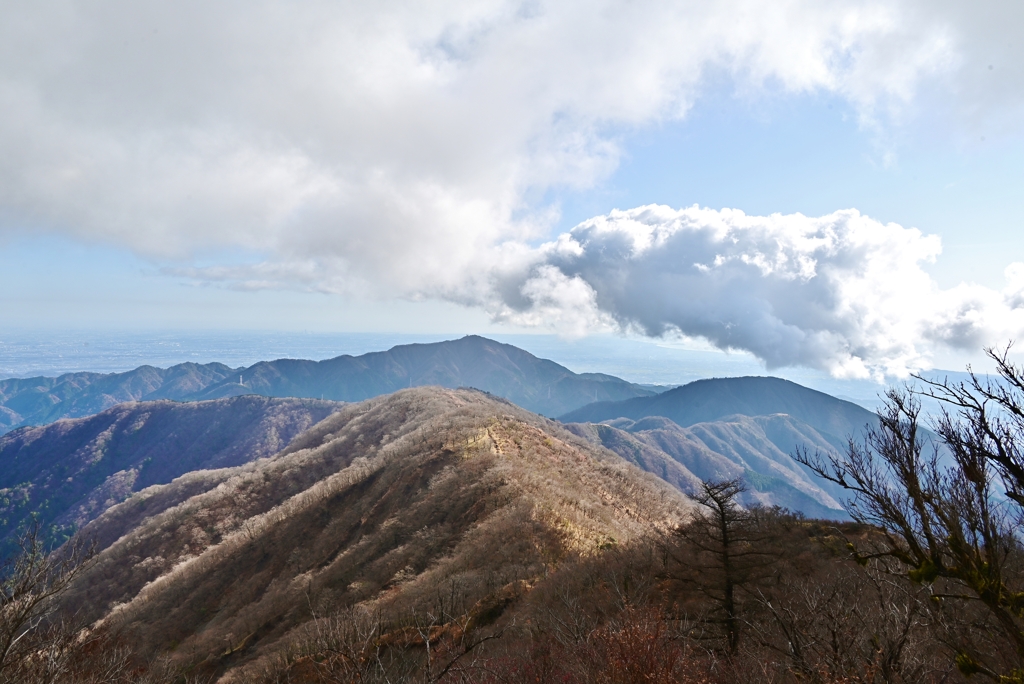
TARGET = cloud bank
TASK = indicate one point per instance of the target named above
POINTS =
(393, 148)
(842, 292)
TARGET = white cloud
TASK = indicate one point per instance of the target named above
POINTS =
(392, 147)
(841, 292)
(352, 127)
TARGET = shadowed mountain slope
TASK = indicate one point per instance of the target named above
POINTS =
(705, 401)
(70, 471)
(756, 449)
(387, 506)
(536, 384)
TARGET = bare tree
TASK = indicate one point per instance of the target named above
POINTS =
(862, 624)
(985, 419)
(948, 511)
(30, 583)
(449, 634)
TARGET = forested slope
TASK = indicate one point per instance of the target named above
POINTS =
(383, 506)
(757, 450)
(65, 474)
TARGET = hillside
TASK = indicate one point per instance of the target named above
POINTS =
(756, 449)
(427, 502)
(705, 401)
(536, 384)
(70, 471)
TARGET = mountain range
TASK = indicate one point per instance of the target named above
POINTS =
(539, 385)
(67, 473)
(386, 507)
(713, 399)
(70, 471)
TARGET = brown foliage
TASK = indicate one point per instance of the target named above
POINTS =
(383, 507)
(444, 536)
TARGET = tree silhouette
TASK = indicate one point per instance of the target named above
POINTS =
(949, 511)
(31, 581)
(723, 550)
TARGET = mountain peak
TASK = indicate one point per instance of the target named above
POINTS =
(712, 399)
(504, 370)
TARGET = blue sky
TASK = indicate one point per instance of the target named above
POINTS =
(810, 155)
(803, 154)
(226, 192)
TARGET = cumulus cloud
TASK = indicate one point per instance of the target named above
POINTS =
(841, 292)
(394, 147)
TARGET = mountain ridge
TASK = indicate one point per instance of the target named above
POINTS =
(384, 505)
(713, 399)
(539, 385)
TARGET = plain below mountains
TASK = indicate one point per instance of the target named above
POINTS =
(539, 385)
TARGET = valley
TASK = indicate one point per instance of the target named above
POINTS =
(65, 474)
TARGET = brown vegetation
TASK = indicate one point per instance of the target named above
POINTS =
(372, 510)
(448, 536)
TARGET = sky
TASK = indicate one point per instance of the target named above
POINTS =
(834, 186)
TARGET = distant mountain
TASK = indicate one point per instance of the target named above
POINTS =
(536, 384)
(69, 472)
(385, 508)
(706, 401)
(756, 449)
(41, 400)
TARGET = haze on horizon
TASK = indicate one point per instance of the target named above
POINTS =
(834, 186)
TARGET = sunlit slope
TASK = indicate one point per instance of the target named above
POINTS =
(537, 384)
(386, 503)
(66, 473)
(710, 400)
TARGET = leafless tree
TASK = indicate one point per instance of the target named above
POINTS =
(948, 511)
(31, 582)
(861, 623)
